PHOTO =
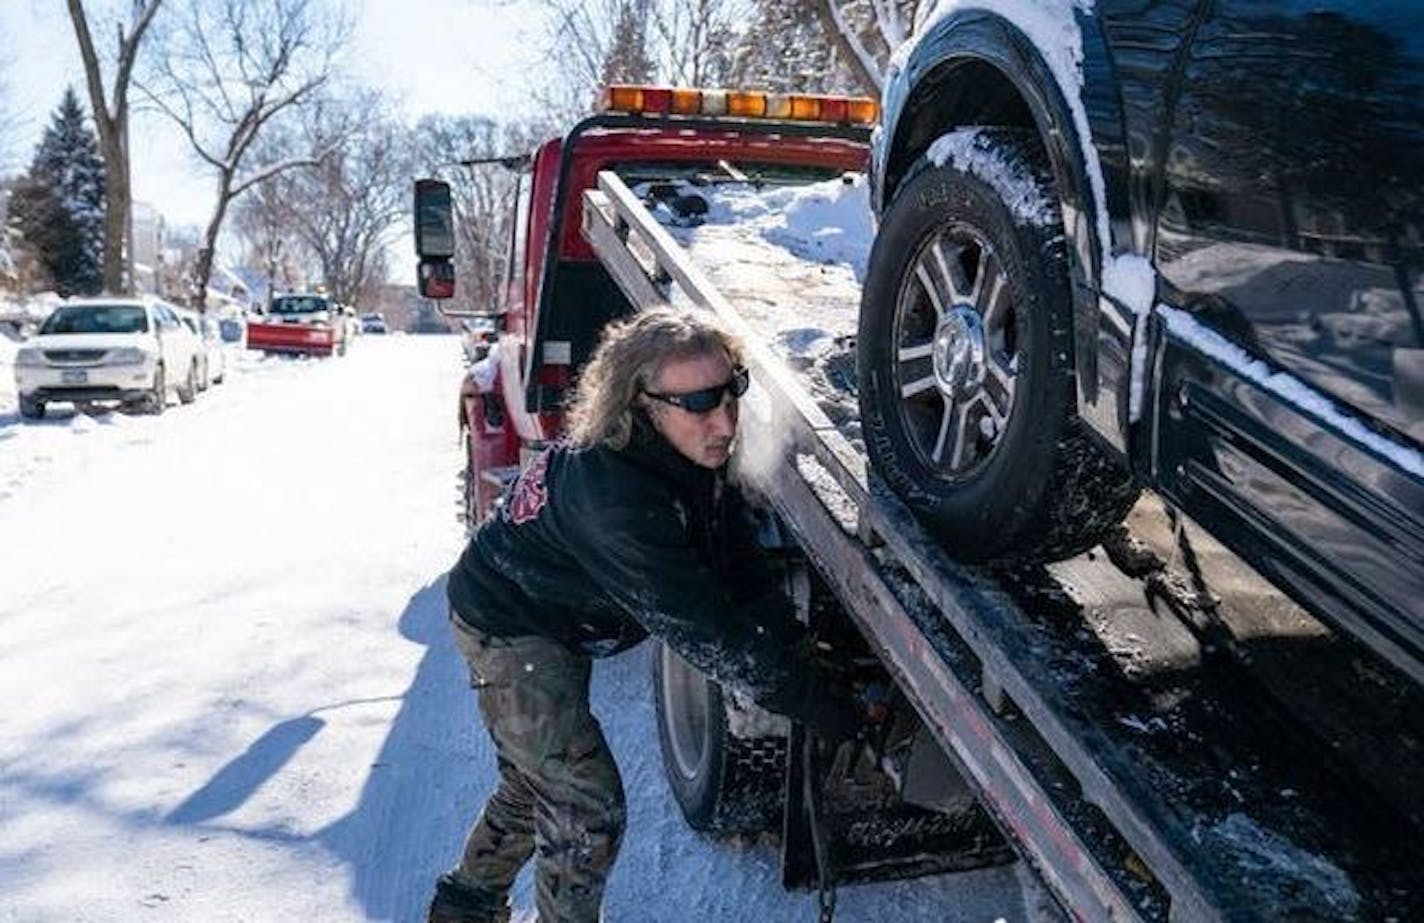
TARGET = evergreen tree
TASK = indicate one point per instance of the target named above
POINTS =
(59, 204)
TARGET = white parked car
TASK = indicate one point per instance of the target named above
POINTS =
(132, 350)
(212, 361)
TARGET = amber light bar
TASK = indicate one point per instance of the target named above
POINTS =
(795, 107)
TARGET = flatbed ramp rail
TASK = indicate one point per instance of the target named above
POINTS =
(1207, 812)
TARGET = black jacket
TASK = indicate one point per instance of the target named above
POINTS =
(598, 548)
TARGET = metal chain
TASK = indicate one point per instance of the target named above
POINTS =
(826, 895)
(826, 883)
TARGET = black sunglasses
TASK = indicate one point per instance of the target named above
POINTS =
(707, 400)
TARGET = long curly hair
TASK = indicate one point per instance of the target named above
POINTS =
(627, 361)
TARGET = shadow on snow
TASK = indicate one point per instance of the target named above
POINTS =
(420, 794)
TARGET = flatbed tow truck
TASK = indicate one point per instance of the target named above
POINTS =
(1113, 721)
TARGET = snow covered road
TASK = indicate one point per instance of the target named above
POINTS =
(229, 692)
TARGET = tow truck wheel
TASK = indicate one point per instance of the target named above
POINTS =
(188, 391)
(965, 358)
(724, 762)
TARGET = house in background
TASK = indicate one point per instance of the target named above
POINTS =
(147, 246)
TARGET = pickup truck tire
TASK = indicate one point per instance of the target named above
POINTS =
(965, 360)
(188, 390)
(725, 784)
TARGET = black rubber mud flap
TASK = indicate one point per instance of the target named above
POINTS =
(867, 833)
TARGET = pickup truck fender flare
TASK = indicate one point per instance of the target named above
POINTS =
(977, 67)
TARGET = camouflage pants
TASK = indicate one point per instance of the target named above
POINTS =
(559, 791)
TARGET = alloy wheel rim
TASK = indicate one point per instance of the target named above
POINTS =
(956, 353)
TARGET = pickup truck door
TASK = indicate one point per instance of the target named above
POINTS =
(1290, 231)
(1293, 184)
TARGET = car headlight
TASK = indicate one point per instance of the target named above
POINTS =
(128, 355)
(29, 355)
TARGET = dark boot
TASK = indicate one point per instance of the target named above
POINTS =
(455, 902)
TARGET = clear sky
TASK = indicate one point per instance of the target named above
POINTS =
(451, 56)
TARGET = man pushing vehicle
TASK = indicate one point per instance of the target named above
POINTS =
(628, 528)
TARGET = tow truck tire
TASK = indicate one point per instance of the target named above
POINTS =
(725, 784)
(965, 360)
(188, 390)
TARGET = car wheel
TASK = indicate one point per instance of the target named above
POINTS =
(188, 391)
(965, 359)
(725, 763)
(158, 399)
(205, 380)
(31, 409)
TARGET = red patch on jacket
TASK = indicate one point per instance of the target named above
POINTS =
(529, 494)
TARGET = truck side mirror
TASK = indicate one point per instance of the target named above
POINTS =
(434, 220)
(436, 278)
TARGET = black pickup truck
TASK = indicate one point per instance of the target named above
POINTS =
(1175, 245)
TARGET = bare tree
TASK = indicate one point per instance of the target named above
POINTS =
(483, 194)
(591, 42)
(263, 221)
(784, 48)
(697, 37)
(230, 68)
(579, 34)
(111, 119)
(356, 199)
(866, 32)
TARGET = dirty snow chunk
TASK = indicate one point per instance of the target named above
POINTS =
(1303, 881)
(1289, 388)
(973, 152)
(748, 720)
(829, 491)
(805, 342)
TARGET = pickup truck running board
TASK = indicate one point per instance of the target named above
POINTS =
(1224, 812)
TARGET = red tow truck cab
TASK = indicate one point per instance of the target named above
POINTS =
(558, 296)
(302, 324)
